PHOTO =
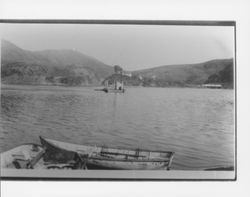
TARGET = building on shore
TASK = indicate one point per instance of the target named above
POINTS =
(210, 85)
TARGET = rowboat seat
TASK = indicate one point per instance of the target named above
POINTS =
(20, 161)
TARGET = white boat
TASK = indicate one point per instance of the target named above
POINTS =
(26, 156)
(33, 156)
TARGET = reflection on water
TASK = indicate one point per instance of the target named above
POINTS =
(197, 124)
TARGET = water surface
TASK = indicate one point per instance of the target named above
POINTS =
(197, 124)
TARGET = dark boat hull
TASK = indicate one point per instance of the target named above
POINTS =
(107, 90)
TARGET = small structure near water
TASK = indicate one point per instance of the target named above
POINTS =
(216, 86)
(116, 85)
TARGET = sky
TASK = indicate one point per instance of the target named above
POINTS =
(133, 47)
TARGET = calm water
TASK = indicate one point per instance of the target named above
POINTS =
(197, 124)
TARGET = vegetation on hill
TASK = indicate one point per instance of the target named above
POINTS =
(224, 77)
(50, 67)
(72, 68)
(214, 71)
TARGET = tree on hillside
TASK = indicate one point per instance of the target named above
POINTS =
(118, 69)
(224, 76)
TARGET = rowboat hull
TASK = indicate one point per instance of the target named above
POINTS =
(126, 165)
(107, 158)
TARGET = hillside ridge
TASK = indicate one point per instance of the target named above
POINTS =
(73, 68)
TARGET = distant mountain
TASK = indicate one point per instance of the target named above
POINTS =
(58, 67)
(72, 68)
(214, 71)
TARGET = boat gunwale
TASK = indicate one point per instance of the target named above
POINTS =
(131, 160)
(118, 148)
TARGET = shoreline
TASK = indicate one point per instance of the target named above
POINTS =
(100, 86)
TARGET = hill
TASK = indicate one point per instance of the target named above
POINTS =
(72, 68)
(51, 67)
(214, 71)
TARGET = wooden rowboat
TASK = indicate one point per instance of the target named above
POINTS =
(94, 157)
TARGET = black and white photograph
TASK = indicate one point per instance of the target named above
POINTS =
(120, 100)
